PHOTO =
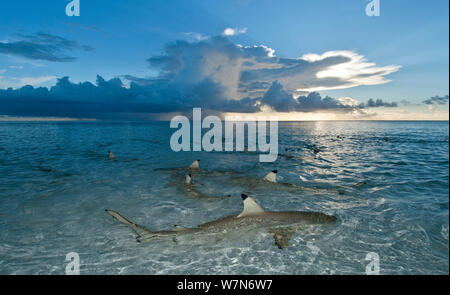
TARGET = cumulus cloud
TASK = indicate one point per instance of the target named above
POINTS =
(371, 103)
(215, 74)
(42, 46)
(109, 99)
(436, 100)
(241, 68)
(234, 31)
(281, 101)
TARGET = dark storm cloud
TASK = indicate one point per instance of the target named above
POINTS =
(107, 99)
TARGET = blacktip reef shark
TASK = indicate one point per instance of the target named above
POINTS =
(194, 167)
(281, 225)
(270, 180)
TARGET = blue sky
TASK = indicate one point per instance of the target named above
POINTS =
(408, 42)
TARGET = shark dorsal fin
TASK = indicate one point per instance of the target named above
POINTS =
(288, 153)
(195, 165)
(178, 228)
(188, 179)
(250, 207)
(271, 176)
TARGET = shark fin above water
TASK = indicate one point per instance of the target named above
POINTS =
(271, 176)
(188, 179)
(282, 236)
(195, 165)
(250, 207)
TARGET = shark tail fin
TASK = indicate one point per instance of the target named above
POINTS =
(141, 231)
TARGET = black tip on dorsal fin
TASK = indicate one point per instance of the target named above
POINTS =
(198, 160)
(244, 196)
(275, 171)
(190, 175)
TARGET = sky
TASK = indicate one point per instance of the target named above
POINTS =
(299, 60)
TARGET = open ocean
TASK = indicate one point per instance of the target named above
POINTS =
(56, 181)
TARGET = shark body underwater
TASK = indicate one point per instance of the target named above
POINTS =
(281, 225)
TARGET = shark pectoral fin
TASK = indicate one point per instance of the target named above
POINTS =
(141, 231)
(146, 237)
(282, 236)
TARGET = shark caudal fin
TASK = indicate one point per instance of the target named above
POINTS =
(195, 165)
(271, 176)
(141, 231)
(250, 207)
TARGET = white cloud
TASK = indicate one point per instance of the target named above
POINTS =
(16, 82)
(348, 101)
(234, 32)
(35, 80)
(249, 71)
(196, 36)
(355, 72)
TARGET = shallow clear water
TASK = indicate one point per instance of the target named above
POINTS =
(56, 180)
